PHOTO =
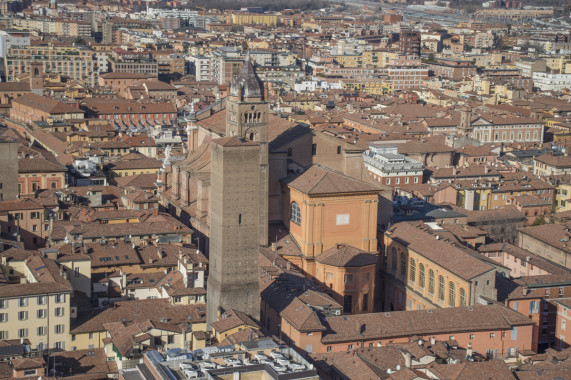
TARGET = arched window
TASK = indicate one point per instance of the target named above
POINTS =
(251, 136)
(421, 275)
(403, 263)
(451, 294)
(394, 259)
(412, 270)
(431, 281)
(295, 213)
(441, 288)
(462, 297)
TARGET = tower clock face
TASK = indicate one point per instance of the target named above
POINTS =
(253, 108)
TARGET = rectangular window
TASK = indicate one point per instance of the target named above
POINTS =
(76, 272)
(365, 302)
(514, 333)
(516, 306)
(22, 315)
(59, 311)
(313, 149)
(329, 276)
(533, 307)
(492, 335)
(563, 323)
(42, 300)
(347, 304)
(58, 329)
(4, 334)
(23, 302)
(60, 298)
(42, 330)
(22, 333)
(42, 313)
(4, 317)
(3, 304)
(472, 336)
(348, 279)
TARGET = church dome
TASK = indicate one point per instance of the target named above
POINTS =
(247, 84)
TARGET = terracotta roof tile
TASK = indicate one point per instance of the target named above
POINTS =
(320, 180)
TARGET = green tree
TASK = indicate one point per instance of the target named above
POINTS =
(539, 221)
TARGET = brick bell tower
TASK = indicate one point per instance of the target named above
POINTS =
(239, 199)
(247, 117)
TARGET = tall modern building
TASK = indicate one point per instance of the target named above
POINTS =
(239, 199)
(409, 42)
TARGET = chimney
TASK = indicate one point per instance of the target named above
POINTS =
(432, 340)
(486, 169)
(274, 247)
(525, 290)
(288, 265)
(454, 171)
(469, 350)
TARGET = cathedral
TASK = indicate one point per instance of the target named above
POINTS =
(248, 169)
(221, 188)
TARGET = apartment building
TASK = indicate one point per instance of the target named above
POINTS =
(225, 64)
(537, 297)
(12, 38)
(200, 67)
(73, 62)
(405, 73)
(26, 220)
(562, 329)
(390, 168)
(548, 165)
(521, 262)
(37, 172)
(38, 307)
(130, 61)
(254, 19)
(166, 324)
(551, 82)
(550, 241)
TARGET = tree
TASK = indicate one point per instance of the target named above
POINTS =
(79, 41)
(539, 221)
